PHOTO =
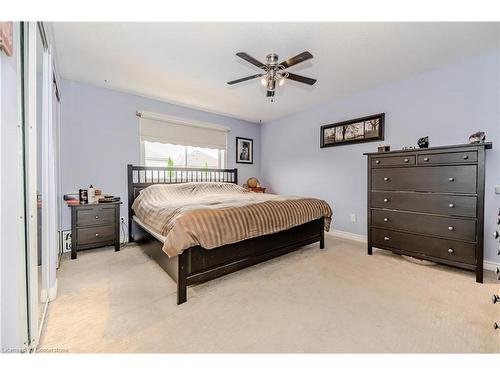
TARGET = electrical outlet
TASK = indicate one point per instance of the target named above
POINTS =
(122, 220)
(353, 218)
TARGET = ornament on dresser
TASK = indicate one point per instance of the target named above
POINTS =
(423, 142)
(478, 137)
(383, 148)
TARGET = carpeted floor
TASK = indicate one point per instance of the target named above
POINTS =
(333, 300)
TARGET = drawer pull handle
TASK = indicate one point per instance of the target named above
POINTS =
(451, 251)
(386, 200)
(386, 178)
(496, 326)
(495, 234)
(466, 157)
(406, 160)
(386, 219)
(451, 179)
(386, 238)
(97, 234)
(451, 228)
(377, 161)
(451, 205)
(97, 216)
(426, 159)
(495, 298)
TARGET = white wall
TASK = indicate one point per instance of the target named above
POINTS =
(447, 104)
(11, 304)
(100, 136)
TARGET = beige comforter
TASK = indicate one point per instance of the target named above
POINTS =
(212, 214)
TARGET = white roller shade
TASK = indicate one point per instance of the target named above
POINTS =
(181, 132)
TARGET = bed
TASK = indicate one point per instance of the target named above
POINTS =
(200, 225)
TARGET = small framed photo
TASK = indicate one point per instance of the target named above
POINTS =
(244, 150)
(363, 129)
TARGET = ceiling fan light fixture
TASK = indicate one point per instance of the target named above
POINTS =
(263, 81)
(281, 81)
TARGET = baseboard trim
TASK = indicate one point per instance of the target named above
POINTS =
(48, 294)
(490, 266)
(487, 265)
(347, 235)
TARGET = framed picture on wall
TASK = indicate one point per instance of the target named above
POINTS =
(244, 150)
(363, 129)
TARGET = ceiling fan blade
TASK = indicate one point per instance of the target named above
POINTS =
(250, 59)
(306, 80)
(270, 93)
(245, 79)
(297, 59)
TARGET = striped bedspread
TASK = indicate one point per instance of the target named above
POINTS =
(212, 214)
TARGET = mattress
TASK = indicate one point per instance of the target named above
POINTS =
(213, 214)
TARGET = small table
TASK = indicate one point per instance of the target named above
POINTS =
(257, 189)
(94, 225)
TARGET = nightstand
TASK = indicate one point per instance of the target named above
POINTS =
(94, 225)
(257, 189)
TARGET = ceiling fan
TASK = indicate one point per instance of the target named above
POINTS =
(274, 73)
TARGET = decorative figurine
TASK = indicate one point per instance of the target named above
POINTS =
(478, 137)
(423, 142)
(383, 148)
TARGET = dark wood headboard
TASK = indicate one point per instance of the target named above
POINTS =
(140, 177)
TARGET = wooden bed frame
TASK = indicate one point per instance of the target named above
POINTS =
(196, 264)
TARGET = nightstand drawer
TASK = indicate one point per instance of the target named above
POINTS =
(95, 216)
(92, 235)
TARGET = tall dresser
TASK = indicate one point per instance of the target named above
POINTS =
(429, 203)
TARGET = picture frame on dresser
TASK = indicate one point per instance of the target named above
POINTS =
(429, 204)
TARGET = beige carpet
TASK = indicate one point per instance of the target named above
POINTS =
(333, 300)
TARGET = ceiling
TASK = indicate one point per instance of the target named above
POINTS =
(190, 63)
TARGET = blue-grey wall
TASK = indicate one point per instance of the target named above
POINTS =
(100, 136)
(447, 104)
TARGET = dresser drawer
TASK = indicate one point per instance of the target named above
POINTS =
(448, 158)
(92, 235)
(421, 245)
(95, 216)
(393, 160)
(446, 179)
(442, 226)
(444, 204)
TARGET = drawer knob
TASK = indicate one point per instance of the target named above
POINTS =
(386, 238)
(451, 179)
(386, 219)
(495, 298)
(495, 234)
(451, 205)
(386, 200)
(386, 178)
(406, 160)
(451, 228)
(451, 251)
(97, 234)
(377, 161)
(496, 326)
(97, 216)
(466, 157)
(426, 159)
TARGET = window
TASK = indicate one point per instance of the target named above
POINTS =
(169, 155)
(168, 142)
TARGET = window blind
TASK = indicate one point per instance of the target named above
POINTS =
(167, 131)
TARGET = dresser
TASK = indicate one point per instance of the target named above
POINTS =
(94, 225)
(429, 203)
